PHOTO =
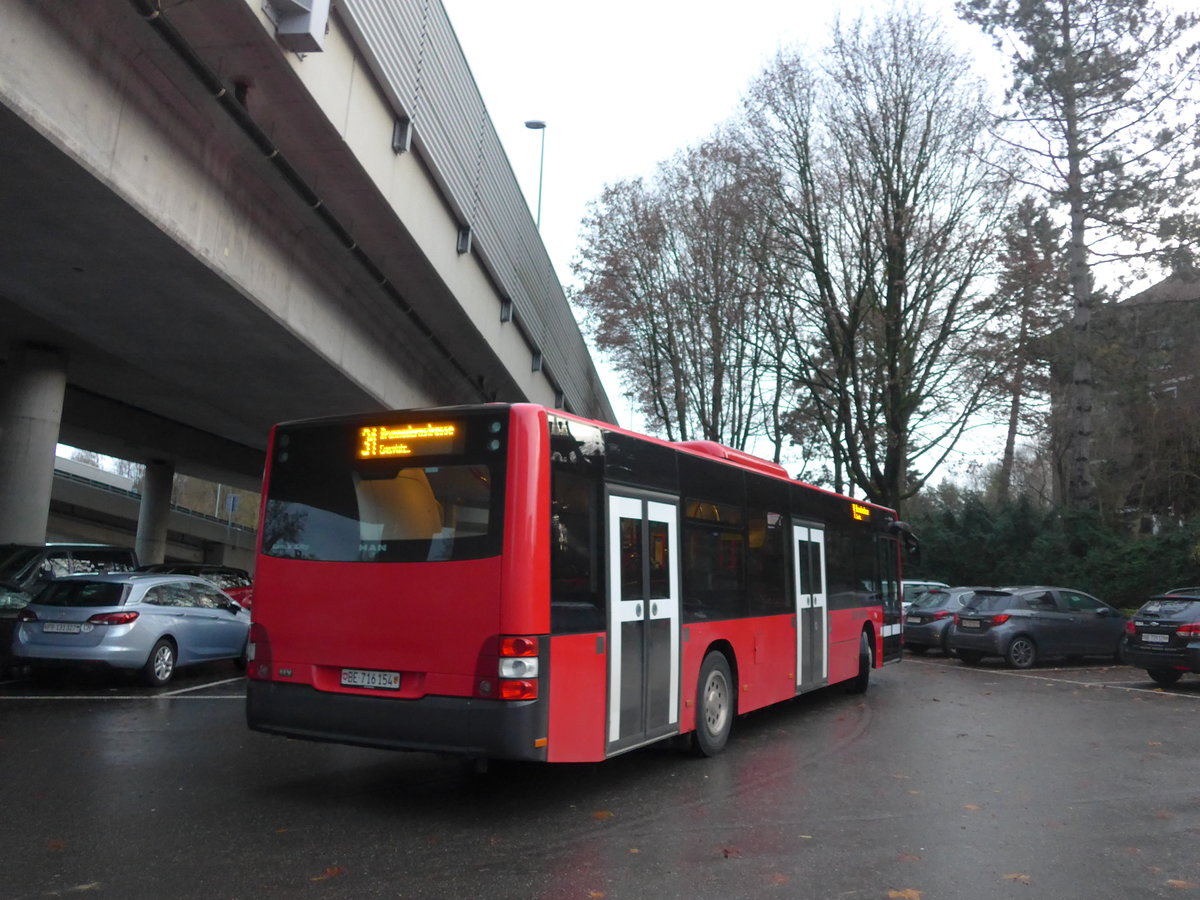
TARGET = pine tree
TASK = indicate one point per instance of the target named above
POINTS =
(1098, 102)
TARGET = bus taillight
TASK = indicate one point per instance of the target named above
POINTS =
(518, 690)
(518, 646)
(518, 668)
(258, 653)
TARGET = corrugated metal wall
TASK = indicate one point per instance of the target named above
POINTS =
(413, 51)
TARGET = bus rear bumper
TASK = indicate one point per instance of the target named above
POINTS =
(463, 726)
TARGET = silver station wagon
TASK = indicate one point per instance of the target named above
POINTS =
(147, 623)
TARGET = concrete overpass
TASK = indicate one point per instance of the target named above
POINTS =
(223, 214)
(95, 505)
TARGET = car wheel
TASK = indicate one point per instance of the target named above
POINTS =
(1119, 654)
(945, 643)
(160, 665)
(970, 657)
(866, 662)
(714, 705)
(1164, 677)
(1021, 653)
(917, 649)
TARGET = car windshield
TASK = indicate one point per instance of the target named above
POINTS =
(82, 593)
(935, 598)
(11, 598)
(15, 561)
(227, 580)
(989, 601)
(1167, 606)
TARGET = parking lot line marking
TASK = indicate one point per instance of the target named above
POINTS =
(200, 687)
(1110, 685)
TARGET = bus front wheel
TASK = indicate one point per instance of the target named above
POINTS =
(714, 705)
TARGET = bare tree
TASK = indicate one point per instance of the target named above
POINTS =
(670, 289)
(874, 178)
(1099, 97)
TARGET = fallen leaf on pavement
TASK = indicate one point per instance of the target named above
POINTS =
(331, 872)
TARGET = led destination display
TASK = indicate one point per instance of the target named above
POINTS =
(389, 441)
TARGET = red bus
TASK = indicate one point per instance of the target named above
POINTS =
(514, 582)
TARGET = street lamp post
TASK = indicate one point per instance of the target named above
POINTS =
(539, 125)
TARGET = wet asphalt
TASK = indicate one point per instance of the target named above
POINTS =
(943, 781)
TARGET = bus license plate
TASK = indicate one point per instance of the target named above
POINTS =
(969, 623)
(1155, 638)
(62, 627)
(367, 678)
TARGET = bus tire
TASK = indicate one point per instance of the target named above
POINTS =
(866, 662)
(714, 705)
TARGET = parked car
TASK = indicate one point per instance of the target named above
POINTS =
(1191, 591)
(133, 621)
(12, 601)
(237, 583)
(912, 591)
(28, 566)
(1163, 637)
(927, 624)
(1028, 624)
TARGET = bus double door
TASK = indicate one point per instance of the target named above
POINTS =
(643, 620)
(812, 610)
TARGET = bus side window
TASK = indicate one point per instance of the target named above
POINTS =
(714, 572)
(843, 585)
(766, 563)
(576, 584)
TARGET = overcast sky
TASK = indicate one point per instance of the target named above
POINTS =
(622, 85)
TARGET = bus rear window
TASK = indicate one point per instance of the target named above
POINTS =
(324, 503)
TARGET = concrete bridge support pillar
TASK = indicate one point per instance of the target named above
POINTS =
(151, 541)
(31, 403)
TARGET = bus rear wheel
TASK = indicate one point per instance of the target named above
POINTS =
(866, 662)
(714, 705)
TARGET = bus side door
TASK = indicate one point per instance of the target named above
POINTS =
(888, 554)
(812, 616)
(643, 620)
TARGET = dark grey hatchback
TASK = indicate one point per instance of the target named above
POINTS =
(1030, 623)
(927, 621)
(1164, 637)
